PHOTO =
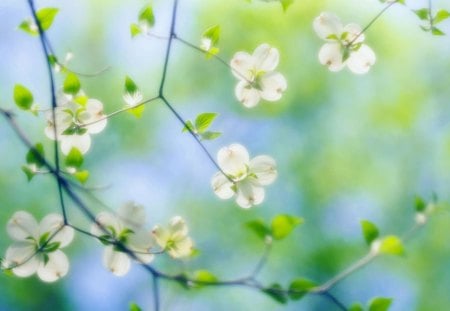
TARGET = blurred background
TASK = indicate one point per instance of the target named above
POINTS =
(348, 147)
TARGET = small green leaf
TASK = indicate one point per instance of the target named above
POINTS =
(299, 288)
(369, 230)
(276, 292)
(43, 238)
(437, 32)
(34, 156)
(205, 277)
(282, 225)
(147, 17)
(29, 27)
(380, 304)
(46, 17)
(137, 111)
(204, 121)
(130, 86)
(74, 158)
(392, 245)
(259, 228)
(82, 176)
(356, 307)
(28, 172)
(286, 3)
(423, 14)
(23, 97)
(212, 33)
(134, 307)
(420, 204)
(188, 126)
(208, 135)
(440, 16)
(135, 30)
(51, 247)
(72, 84)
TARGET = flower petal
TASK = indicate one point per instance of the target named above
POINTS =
(178, 228)
(117, 262)
(327, 24)
(56, 267)
(81, 142)
(22, 225)
(266, 58)
(242, 65)
(354, 33)
(182, 248)
(94, 109)
(22, 256)
(233, 160)
(360, 61)
(246, 94)
(222, 186)
(265, 169)
(52, 223)
(132, 214)
(161, 235)
(108, 221)
(272, 86)
(249, 194)
(330, 55)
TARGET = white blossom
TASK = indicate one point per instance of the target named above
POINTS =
(37, 246)
(75, 122)
(344, 45)
(174, 239)
(127, 227)
(245, 178)
(133, 99)
(257, 76)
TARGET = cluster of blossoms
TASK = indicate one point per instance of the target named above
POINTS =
(136, 242)
(257, 76)
(76, 117)
(37, 246)
(344, 45)
(244, 178)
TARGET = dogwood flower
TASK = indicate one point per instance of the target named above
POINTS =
(37, 246)
(344, 45)
(174, 239)
(245, 178)
(75, 122)
(126, 227)
(133, 99)
(257, 76)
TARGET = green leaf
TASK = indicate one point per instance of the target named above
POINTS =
(437, 32)
(204, 121)
(380, 304)
(23, 97)
(259, 228)
(46, 17)
(286, 3)
(134, 307)
(204, 276)
(420, 204)
(35, 155)
(369, 230)
(137, 111)
(130, 86)
(28, 172)
(28, 27)
(440, 16)
(82, 176)
(146, 16)
(276, 292)
(188, 126)
(135, 30)
(299, 287)
(208, 135)
(51, 247)
(282, 225)
(74, 158)
(356, 307)
(72, 84)
(392, 245)
(423, 14)
(43, 238)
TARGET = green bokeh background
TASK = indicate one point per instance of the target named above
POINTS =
(348, 147)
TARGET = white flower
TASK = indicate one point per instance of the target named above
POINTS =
(133, 99)
(344, 45)
(36, 247)
(246, 177)
(257, 78)
(125, 227)
(174, 239)
(71, 118)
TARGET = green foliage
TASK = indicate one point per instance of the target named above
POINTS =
(130, 85)
(45, 17)
(369, 230)
(36, 155)
(147, 17)
(299, 288)
(201, 125)
(134, 307)
(440, 16)
(81, 176)
(380, 304)
(356, 307)
(72, 84)
(134, 30)
(420, 204)
(22, 97)
(204, 277)
(391, 245)
(276, 292)
(74, 158)
(259, 228)
(212, 36)
(282, 225)
(423, 14)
